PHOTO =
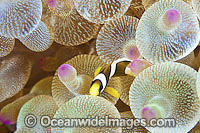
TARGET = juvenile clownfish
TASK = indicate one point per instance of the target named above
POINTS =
(102, 76)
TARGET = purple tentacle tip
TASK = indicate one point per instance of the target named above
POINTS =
(138, 65)
(51, 3)
(4, 121)
(132, 52)
(148, 113)
(66, 72)
(172, 17)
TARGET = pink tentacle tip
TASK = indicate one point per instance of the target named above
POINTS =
(172, 17)
(51, 3)
(138, 65)
(133, 52)
(148, 114)
(4, 121)
(66, 72)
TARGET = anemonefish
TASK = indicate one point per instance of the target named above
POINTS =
(102, 76)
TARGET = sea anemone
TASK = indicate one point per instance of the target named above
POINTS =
(6, 45)
(48, 18)
(131, 127)
(86, 106)
(19, 17)
(167, 31)
(59, 91)
(188, 60)
(78, 85)
(116, 39)
(123, 84)
(198, 83)
(38, 40)
(73, 29)
(60, 7)
(38, 106)
(48, 63)
(14, 74)
(136, 9)
(9, 113)
(166, 90)
(196, 6)
(100, 11)
(25, 130)
(138, 65)
(42, 87)
(148, 3)
(76, 78)
(46, 13)
(11, 99)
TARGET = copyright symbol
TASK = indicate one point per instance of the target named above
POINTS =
(30, 121)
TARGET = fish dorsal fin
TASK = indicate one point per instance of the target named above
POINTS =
(97, 71)
(112, 92)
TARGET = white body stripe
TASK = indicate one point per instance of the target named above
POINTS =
(113, 68)
(114, 65)
(103, 80)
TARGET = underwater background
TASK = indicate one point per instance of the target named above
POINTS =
(80, 58)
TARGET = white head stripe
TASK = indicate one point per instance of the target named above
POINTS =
(114, 65)
(127, 70)
(121, 59)
(102, 78)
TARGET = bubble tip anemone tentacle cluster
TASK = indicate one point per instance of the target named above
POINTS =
(172, 17)
(66, 73)
(138, 65)
(151, 111)
(167, 31)
(88, 106)
(12, 20)
(77, 84)
(51, 3)
(170, 20)
(157, 42)
(171, 87)
(131, 51)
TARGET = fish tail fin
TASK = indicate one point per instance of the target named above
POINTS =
(97, 71)
(112, 92)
